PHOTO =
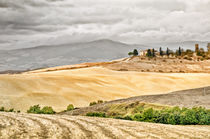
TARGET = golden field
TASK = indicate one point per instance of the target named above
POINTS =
(81, 86)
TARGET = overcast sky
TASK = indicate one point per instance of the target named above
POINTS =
(27, 23)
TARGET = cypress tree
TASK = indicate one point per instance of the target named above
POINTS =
(161, 52)
(149, 53)
(153, 52)
(135, 52)
(167, 52)
(180, 51)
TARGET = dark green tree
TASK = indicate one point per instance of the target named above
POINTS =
(149, 53)
(153, 52)
(135, 52)
(167, 52)
(180, 51)
(161, 52)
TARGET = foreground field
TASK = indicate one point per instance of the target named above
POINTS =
(82, 86)
(63, 126)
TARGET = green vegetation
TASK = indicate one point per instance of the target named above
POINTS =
(167, 52)
(96, 114)
(47, 110)
(134, 53)
(94, 103)
(149, 53)
(161, 52)
(9, 110)
(2, 109)
(156, 114)
(198, 54)
(70, 107)
(36, 109)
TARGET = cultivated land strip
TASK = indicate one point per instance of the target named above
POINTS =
(23, 126)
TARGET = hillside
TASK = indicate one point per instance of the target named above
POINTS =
(56, 126)
(64, 54)
(185, 98)
(23, 59)
(160, 64)
(81, 86)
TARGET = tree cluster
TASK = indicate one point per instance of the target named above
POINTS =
(134, 53)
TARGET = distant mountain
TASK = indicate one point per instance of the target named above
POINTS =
(65, 54)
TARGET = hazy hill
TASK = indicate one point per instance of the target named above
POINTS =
(65, 54)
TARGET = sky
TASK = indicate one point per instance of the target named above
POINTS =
(29, 23)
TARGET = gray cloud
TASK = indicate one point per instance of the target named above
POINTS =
(27, 23)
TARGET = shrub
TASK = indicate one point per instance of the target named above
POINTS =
(130, 53)
(127, 118)
(148, 114)
(174, 116)
(70, 107)
(47, 110)
(35, 109)
(92, 103)
(11, 110)
(138, 117)
(2, 109)
(96, 114)
(100, 101)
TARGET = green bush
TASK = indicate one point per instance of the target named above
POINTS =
(70, 107)
(174, 116)
(47, 110)
(96, 114)
(5, 110)
(11, 110)
(36, 109)
(2, 109)
(100, 101)
(92, 103)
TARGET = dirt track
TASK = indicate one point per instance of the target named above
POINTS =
(56, 126)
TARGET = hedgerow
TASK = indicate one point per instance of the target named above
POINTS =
(36, 109)
(174, 116)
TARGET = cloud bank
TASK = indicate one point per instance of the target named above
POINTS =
(28, 23)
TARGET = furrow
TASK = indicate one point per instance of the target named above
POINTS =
(88, 133)
(59, 130)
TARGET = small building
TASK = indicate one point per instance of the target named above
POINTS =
(143, 52)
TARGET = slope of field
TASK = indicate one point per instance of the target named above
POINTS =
(81, 86)
(185, 98)
(63, 126)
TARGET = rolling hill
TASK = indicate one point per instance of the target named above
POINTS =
(82, 86)
(65, 54)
